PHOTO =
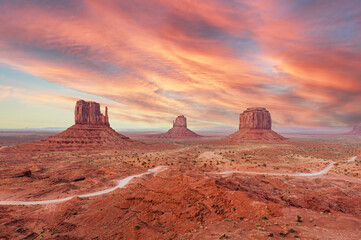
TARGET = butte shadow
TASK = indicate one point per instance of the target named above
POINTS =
(178, 131)
(255, 125)
(91, 131)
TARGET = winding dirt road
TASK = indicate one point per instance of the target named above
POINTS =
(322, 172)
(352, 159)
(121, 183)
(313, 174)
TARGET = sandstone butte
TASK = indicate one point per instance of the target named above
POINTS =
(356, 129)
(89, 113)
(255, 125)
(178, 131)
(90, 131)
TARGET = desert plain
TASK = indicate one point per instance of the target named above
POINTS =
(307, 187)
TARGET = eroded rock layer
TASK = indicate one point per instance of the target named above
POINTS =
(91, 131)
(255, 118)
(255, 125)
(262, 135)
(89, 113)
(178, 131)
(180, 121)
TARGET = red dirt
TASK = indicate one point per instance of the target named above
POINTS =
(184, 202)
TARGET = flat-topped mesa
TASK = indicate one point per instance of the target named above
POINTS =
(255, 125)
(180, 121)
(255, 118)
(89, 113)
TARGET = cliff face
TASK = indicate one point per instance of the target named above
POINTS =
(255, 125)
(89, 113)
(91, 131)
(255, 118)
(178, 131)
(180, 121)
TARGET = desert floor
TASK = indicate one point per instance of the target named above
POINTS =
(308, 187)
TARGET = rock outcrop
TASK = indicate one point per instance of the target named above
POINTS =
(180, 121)
(255, 118)
(89, 113)
(356, 129)
(91, 131)
(255, 125)
(178, 131)
(88, 136)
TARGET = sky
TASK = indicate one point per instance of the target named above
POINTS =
(152, 60)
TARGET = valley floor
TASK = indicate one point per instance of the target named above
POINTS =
(206, 190)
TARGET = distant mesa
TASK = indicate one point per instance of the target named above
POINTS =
(356, 129)
(255, 125)
(178, 131)
(91, 131)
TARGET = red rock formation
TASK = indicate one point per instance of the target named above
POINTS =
(255, 125)
(88, 136)
(356, 129)
(89, 113)
(255, 118)
(180, 121)
(91, 131)
(178, 131)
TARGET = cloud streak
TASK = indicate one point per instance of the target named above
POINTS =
(156, 59)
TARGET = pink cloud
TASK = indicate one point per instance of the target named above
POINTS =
(207, 61)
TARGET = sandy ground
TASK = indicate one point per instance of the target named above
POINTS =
(259, 191)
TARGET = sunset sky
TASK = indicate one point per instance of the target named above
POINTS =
(151, 60)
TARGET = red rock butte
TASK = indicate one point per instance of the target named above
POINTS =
(255, 125)
(356, 129)
(89, 113)
(178, 131)
(90, 131)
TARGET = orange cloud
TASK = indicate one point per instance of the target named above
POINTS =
(156, 59)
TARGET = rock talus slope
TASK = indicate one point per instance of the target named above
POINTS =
(178, 131)
(91, 131)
